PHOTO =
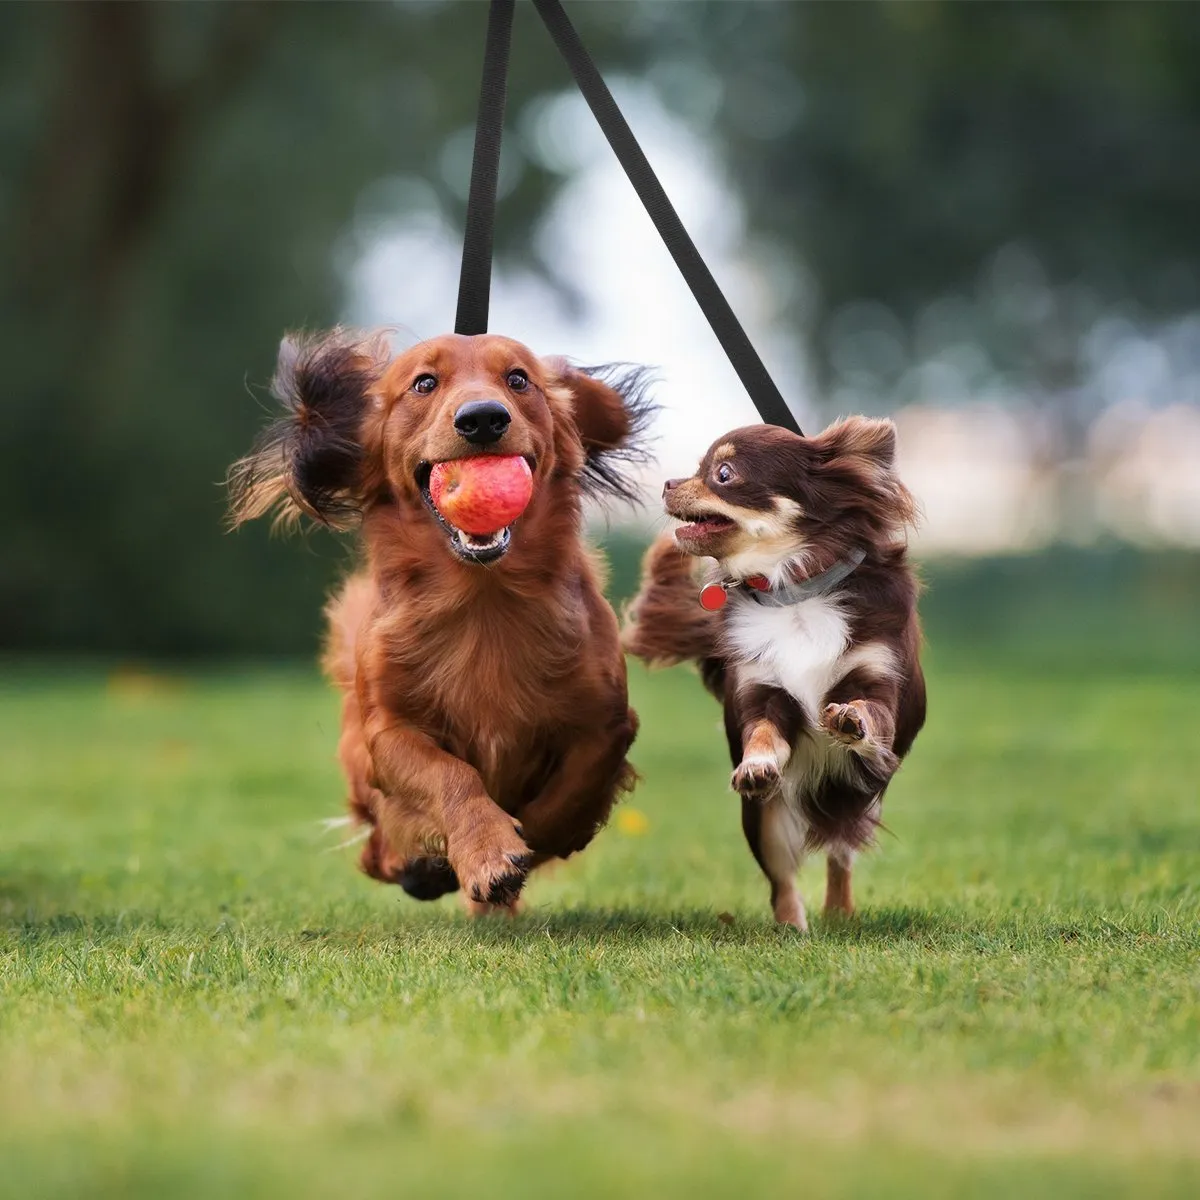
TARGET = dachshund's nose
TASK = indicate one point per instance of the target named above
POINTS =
(671, 485)
(482, 422)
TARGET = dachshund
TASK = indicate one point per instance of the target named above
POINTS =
(485, 709)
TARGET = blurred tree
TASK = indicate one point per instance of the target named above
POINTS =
(945, 173)
(178, 183)
(174, 181)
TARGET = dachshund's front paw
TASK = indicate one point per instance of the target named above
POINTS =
(756, 778)
(476, 908)
(493, 865)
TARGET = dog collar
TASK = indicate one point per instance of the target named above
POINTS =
(714, 596)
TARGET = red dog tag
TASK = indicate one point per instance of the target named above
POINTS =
(712, 597)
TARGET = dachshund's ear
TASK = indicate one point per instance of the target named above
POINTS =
(310, 460)
(612, 411)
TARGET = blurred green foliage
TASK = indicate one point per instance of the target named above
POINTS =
(175, 184)
(980, 185)
(897, 145)
(179, 183)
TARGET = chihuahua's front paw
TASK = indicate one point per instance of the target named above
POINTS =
(846, 722)
(756, 778)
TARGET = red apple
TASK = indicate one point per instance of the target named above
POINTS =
(481, 495)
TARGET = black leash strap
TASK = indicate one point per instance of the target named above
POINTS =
(475, 278)
(750, 369)
(475, 281)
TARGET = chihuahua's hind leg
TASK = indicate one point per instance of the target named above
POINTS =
(775, 831)
(838, 898)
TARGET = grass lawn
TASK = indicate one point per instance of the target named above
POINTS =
(198, 997)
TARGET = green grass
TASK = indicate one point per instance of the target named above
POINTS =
(198, 998)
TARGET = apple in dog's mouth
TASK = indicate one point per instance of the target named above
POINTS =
(476, 500)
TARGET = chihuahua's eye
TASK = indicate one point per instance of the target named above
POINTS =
(424, 384)
(518, 381)
(724, 473)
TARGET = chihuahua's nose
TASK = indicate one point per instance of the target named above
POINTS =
(671, 485)
(482, 422)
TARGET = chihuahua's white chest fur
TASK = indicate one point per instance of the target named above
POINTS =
(803, 649)
(800, 648)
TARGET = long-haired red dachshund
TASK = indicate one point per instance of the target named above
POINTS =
(485, 719)
(808, 633)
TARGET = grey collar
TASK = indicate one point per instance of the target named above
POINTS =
(805, 589)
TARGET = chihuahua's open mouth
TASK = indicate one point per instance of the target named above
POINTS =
(699, 526)
(481, 548)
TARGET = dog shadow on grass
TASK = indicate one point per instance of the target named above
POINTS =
(38, 906)
(24, 921)
(639, 925)
(42, 904)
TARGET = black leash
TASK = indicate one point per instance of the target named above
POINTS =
(475, 278)
(476, 269)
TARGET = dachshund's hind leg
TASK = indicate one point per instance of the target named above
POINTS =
(574, 805)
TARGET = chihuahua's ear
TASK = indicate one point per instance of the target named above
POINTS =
(867, 439)
(854, 473)
(612, 411)
(309, 462)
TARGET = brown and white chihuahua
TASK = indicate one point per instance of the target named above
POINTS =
(805, 627)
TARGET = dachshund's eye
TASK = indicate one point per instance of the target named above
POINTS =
(724, 473)
(518, 381)
(424, 384)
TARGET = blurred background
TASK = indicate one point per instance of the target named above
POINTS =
(981, 219)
